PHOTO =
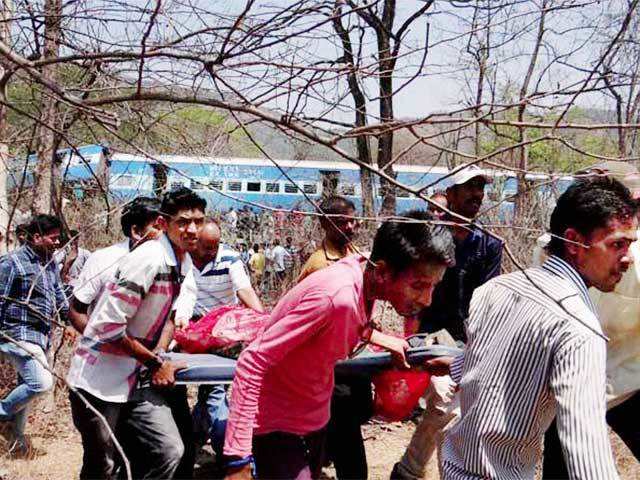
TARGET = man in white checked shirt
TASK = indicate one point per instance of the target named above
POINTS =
(536, 350)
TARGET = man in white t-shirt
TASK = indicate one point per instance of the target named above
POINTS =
(232, 219)
(221, 279)
(279, 256)
(291, 260)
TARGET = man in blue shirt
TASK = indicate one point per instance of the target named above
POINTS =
(31, 298)
(478, 259)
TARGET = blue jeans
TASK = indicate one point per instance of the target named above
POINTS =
(33, 380)
(210, 415)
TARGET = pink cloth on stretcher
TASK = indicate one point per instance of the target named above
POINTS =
(222, 328)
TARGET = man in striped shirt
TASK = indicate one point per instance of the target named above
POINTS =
(536, 350)
(119, 352)
(221, 279)
(478, 259)
(220, 274)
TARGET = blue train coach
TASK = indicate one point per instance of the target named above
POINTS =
(234, 182)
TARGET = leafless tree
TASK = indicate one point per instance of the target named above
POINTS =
(46, 171)
(621, 74)
(307, 69)
(5, 15)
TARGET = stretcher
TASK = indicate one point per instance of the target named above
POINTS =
(213, 369)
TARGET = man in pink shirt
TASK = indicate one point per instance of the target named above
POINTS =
(282, 389)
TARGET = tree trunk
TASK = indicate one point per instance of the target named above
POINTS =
(385, 139)
(360, 103)
(5, 232)
(523, 199)
(5, 36)
(46, 171)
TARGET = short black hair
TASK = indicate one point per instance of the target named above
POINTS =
(21, 232)
(42, 224)
(336, 205)
(587, 205)
(182, 198)
(21, 228)
(401, 244)
(139, 212)
(256, 247)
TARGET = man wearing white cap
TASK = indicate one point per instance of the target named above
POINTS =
(478, 259)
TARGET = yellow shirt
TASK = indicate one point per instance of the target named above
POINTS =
(257, 262)
(326, 255)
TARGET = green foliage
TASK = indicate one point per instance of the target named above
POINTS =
(549, 155)
(203, 116)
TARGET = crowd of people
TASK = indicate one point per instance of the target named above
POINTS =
(536, 365)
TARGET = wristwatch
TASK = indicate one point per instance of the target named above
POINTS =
(154, 362)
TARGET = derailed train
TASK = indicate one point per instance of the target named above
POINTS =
(234, 182)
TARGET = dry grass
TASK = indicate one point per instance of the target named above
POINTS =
(61, 451)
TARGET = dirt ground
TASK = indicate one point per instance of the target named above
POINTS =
(59, 451)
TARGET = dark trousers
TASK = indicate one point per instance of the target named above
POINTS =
(285, 456)
(144, 427)
(621, 419)
(179, 405)
(351, 406)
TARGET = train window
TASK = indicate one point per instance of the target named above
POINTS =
(290, 188)
(199, 183)
(272, 187)
(233, 186)
(216, 184)
(402, 193)
(124, 181)
(310, 188)
(348, 189)
(175, 184)
(254, 187)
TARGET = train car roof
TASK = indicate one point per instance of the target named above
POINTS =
(314, 164)
(262, 162)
